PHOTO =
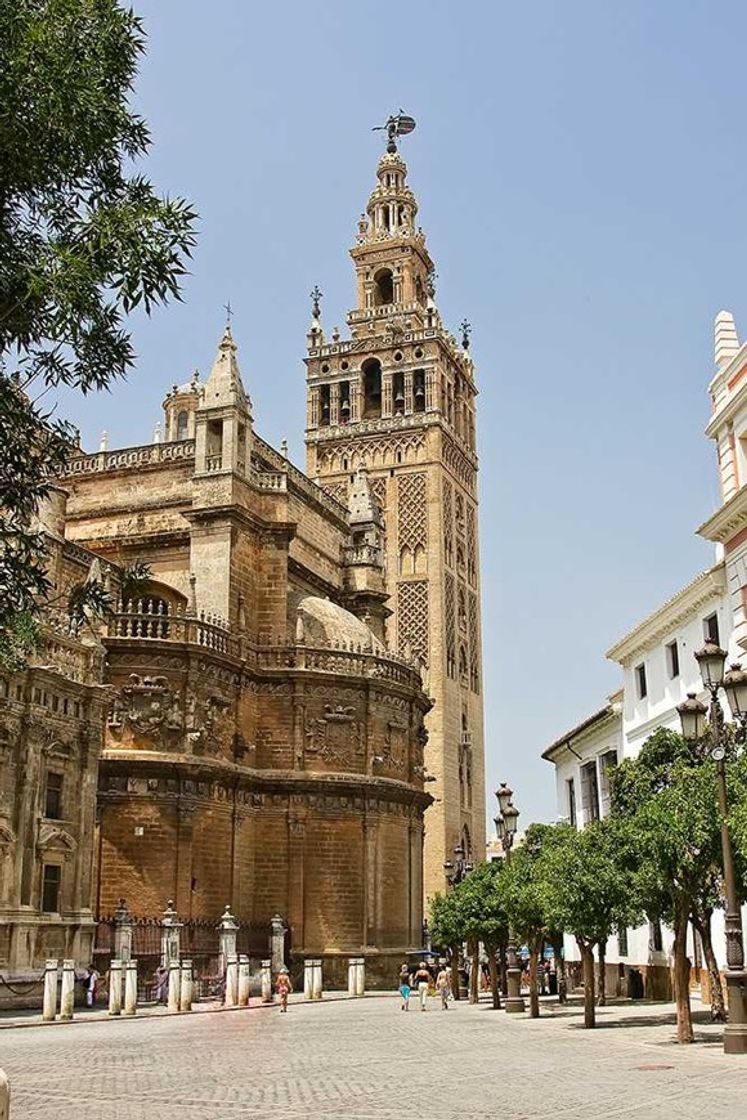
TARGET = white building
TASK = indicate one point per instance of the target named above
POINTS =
(659, 669)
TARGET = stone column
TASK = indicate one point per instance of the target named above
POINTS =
(244, 977)
(227, 939)
(266, 981)
(170, 927)
(123, 932)
(174, 985)
(360, 979)
(232, 981)
(185, 986)
(130, 992)
(49, 1006)
(308, 978)
(4, 1096)
(277, 951)
(67, 993)
(115, 987)
(316, 980)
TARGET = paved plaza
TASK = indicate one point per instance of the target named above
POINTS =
(366, 1060)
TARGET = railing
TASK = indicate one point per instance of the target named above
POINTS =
(274, 459)
(362, 554)
(146, 455)
(61, 649)
(270, 480)
(149, 621)
(213, 462)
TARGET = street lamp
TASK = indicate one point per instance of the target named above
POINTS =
(458, 869)
(711, 660)
(506, 824)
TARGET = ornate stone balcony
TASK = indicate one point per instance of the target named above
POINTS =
(129, 457)
(141, 620)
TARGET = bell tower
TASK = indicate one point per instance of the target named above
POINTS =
(397, 398)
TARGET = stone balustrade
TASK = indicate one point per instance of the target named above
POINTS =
(129, 458)
(144, 621)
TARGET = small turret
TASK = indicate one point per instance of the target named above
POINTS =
(179, 409)
(223, 420)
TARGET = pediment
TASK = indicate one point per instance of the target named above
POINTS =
(54, 839)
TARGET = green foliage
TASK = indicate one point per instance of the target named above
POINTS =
(589, 887)
(83, 241)
(87, 599)
(527, 884)
(17, 641)
(134, 579)
(666, 801)
(445, 920)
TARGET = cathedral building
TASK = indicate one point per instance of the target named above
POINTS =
(256, 723)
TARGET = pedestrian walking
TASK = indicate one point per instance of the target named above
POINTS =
(90, 980)
(422, 983)
(405, 987)
(283, 987)
(443, 987)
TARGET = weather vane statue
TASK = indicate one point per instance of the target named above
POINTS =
(396, 126)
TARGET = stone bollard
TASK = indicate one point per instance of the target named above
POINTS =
(4, 1097)
(170, 929)
(356, 976)
(130, 987)
(174, 986)
(67, 992)
(123, 928)
(266, 977)
(308, 978)
(316, 980)
(244, 980)
(185, 986)
(49, 1007)
(232, 979)
(115, 988)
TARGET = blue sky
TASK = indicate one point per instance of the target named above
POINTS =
(581, 174)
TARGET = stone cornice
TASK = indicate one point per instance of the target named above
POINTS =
(726, 522)
(679, 609)
(260, 781)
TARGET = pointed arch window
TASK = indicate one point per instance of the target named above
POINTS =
(371, 388)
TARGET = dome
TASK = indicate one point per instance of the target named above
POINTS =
(325, 623)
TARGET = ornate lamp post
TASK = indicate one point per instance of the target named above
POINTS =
(711, 660)
(506, 823)
(458, 869)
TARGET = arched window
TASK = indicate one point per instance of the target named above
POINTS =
(182, 425)
(371, 388)
(383, 291)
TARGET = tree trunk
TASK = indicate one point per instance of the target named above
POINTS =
(534, 1003)
(702, 923)
(503, 968)
(557, 948)
(602, 952)
(455, 971)
(474, 972)
(587, 960)
(493, 965)
(682, 978)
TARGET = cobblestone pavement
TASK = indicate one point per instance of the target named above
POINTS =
(366, 1060)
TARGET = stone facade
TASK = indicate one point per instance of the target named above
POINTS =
(398, 396)
(52, 716)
